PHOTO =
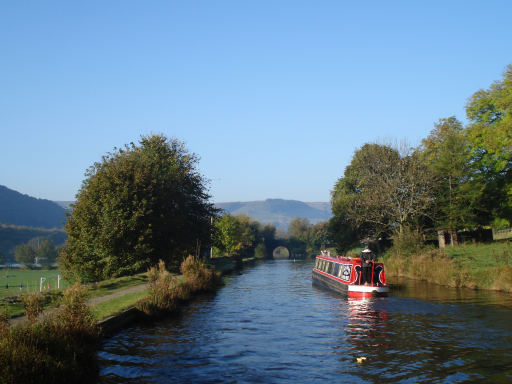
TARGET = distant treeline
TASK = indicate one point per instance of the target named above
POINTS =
(12, 235)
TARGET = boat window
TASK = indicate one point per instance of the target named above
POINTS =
(336, 269)
(331, 266)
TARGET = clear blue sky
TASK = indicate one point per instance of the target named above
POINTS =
(274, 96)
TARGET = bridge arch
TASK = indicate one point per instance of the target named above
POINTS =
(281, 252)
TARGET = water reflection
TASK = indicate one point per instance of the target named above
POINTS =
(270, 324)
(367, 326)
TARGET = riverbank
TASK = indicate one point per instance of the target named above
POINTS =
(26, 343)
(482, 266)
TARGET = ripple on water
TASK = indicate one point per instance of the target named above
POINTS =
(271, 325)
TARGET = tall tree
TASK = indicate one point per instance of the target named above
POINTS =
(138, 205)
(384, 191)
(446, 153)
(490, 137)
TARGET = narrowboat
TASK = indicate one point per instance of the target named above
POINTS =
(343, 274)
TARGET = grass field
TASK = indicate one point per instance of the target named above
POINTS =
(11, 279)
(482, 255)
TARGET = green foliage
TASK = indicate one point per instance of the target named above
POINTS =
(61, 349)
(37, 251)
(260, 251)
(446, 153)
(384, 192)
(25, 254)
(11, 236)
(46, 253)
(305, 237)
(2, 258)
(166, 291)
(138, 205)
(490, 136)
(240, 235)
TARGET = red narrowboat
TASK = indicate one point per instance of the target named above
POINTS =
(344, 274)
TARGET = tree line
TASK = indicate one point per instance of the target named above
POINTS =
(239, 236)
(459, 177)
(37, 252)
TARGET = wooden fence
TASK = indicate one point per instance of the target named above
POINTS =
(502, 234)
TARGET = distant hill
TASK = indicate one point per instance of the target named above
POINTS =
(279, 212)
(19, 209)
(65, 204)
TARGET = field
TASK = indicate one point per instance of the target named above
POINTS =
(29, 280)
(482, 255)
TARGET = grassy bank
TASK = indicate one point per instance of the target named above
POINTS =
(62, 346)
(60, 349)
(53, 296)
(482, 266)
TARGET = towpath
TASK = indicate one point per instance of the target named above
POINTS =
(93, 301)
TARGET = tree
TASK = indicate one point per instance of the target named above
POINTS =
(138, 205)
(46, 254)
(384, 191)
(490, 137)
(320, 235)
(306, 237)
(446, 153)
(237, 235)
(2, 258)
(25, 254)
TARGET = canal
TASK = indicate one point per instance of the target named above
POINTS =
(271, 325)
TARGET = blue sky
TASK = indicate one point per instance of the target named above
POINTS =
(274, 96)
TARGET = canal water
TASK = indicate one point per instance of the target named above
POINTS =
(269, 324)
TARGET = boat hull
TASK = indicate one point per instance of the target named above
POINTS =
(343, 275)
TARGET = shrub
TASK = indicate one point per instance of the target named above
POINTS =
(60, 349)
(199, 276)
(34, 305)
(165, 291)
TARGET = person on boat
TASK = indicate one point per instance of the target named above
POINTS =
(367, 260)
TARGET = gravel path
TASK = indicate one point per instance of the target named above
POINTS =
(95, 300)
(101, 299)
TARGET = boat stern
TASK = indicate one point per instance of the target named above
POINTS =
(367, 291)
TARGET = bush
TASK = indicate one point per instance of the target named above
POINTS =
(34, 305)
(411, 243)
(61, 349)
(199, 276)
(165, 291)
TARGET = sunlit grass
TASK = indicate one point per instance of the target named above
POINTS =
(106, 287)
(117, 305)
(487, 266)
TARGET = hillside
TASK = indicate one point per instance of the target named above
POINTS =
(11, 236)
(279, 212)
(24, 210)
